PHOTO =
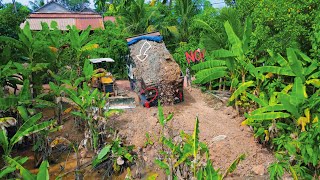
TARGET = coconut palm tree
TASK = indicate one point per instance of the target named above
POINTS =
(185, 11)
(14, 6)
(36, 4)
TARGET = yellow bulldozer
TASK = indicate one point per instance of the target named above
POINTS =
(104, 81)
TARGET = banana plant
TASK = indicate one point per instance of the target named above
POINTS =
(29, 127)
(33, 51)
(230, 63)
(88, 106)
(57, 42)
(295, 105)
(306, 68)
(16, 164)
(162, 119)
(11, 103)
(189, 151)
(186, 156)
(80, 44)
(9, 76)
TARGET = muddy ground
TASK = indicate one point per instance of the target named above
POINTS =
(220, 128)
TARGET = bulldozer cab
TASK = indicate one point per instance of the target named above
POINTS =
(102, 78)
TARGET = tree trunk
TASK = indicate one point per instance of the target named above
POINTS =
(170, 3)
(224, 84)
(14, 6)
(220, 84)
(243, 77)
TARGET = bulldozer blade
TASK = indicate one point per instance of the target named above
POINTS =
(121, 102)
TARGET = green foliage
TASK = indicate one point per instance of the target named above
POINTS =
(162, 119)
(236, 63)
(43, 173)
(187, 156)
(113, 154)
(16, 164)
(29, 126)
(290, 120)
(74, 5)
(149, 140)
(282, 24)
(9, 21)
(112, 44)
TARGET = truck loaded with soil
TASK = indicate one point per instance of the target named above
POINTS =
(153, 73)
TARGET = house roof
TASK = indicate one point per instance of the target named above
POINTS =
(86, 9)
(52, 7)
(65, 15)
(55, 12)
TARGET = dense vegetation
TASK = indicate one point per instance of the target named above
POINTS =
(265, 53)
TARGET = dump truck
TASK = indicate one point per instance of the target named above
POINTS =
(152, 71)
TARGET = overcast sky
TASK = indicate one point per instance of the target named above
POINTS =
(216, 3)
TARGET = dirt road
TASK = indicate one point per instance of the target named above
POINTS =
(219, 128)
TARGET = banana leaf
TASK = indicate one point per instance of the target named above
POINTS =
(315, 75)
(4, 141)
(270, 108)
(276, 70)
(303, 56)
(234, 165)
(236, 44)
(26, 174)
(195, 137)
(268, 116)
(222, 53)
(295, 64)
(298, 95)
(257, 100)
(29, 127)
(313, 66)
(208, 75)
(7, 122)
(242, 88)
(6, 170)
(247, 34)
(43, 173)
(285, 100)
(314, 82)
(208, 64)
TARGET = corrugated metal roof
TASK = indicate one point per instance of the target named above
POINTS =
(52, 7)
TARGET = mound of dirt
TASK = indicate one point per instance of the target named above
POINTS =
(159, 65)
(156, 68)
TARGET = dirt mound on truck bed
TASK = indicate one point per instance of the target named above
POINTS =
(159, 67)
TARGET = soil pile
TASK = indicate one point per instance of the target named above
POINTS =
(156, 68)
